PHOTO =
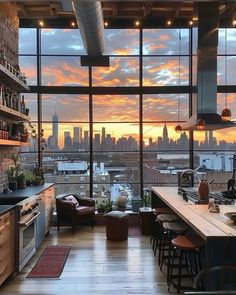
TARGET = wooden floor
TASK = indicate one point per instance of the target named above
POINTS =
(95, 266)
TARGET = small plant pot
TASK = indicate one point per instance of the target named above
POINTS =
(121, 208)
(21, 185)
(12, 185)
(24, 137)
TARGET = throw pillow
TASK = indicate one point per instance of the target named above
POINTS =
(71, 199)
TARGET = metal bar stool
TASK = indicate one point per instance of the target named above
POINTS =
(171, 230)
(161, 218)
(183, 245)
(155, 228)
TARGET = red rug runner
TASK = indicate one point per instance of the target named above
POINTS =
(50, 264)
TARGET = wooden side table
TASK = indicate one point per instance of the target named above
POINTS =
(145, 220)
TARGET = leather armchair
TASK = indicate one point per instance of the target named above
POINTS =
(74, 210)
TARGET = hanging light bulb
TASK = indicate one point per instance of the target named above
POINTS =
(178, 128)
(226, 113)
(200, 124)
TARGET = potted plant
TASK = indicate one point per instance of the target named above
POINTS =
(13, 172)
(146, 199)
(38, 174)
(101, 206)
(12, 183)
(21, 180)
(29, 176)
(121, 203)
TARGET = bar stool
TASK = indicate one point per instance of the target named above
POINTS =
(171, 230)
(184, 245)
(161, 218)
(155, 230)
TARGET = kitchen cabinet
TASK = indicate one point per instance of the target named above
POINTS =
(46, 201)
(7, 245)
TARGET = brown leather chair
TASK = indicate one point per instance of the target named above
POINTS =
(74, 210)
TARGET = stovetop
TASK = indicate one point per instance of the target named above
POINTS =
(190, 194)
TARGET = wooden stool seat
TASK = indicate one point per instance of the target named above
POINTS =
(164, 210)
(188, 242)
(177, 227)
(167, 218)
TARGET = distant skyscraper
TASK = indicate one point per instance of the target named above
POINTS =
(103, 138)
(165, 137)
(77, 138)
(67, 141)
(55, 128)
(86, 139)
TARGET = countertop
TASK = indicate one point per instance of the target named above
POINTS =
(208, 225)
(27, 192)
(6, 208)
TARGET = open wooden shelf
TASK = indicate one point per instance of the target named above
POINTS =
(13, 143)
(9, 113)
(10, 80)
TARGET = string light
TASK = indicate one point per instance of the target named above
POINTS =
(41, 23)
(226, 113)
(72, 24)
(106, 24)
(169, 23)
(137, 23)
(234, 22)
(190, 22)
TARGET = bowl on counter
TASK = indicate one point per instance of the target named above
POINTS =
(231, 215)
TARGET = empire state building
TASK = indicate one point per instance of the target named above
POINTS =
(55, 128)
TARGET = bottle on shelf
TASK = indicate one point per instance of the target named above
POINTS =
(23, 104)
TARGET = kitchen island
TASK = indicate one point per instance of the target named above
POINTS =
(218, 231)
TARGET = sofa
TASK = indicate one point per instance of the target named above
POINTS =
(74, 210)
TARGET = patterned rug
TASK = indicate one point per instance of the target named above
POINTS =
(51, 263)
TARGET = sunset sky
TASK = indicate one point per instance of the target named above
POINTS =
(123, 71)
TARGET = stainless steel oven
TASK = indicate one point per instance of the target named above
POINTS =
(27, 233)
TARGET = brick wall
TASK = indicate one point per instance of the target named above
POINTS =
(9, 25)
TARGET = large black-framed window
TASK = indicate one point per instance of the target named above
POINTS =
(121, 125)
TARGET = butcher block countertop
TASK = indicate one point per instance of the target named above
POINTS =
(208, 225)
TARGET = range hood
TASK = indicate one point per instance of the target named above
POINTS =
(204, 99)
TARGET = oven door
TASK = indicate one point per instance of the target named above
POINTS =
(27, 240)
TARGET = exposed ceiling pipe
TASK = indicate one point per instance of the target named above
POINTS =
(90, 21)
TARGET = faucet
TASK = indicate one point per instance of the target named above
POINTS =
(189, 172)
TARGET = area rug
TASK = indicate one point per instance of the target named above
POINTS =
(51, 263)
(134, 231)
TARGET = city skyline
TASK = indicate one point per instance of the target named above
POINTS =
(78, 139)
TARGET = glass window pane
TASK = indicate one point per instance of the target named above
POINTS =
(31, 104)
(157, 136)
(161, 107)
(163, 71)
(66, 137)
(165, 41)
(69, 172)
(27, 41)
(116, 137)
(63, 71)
(121, 41)
(115, 108)
(162, 168)
(61, 41)
(121, 171)
(68, 107)
(28, 159)
(230, 37)
(28, 66)
(123, 71)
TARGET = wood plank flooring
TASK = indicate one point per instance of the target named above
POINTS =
(95, 266)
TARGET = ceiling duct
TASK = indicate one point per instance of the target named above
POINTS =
(90, 21)
(204, 101)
